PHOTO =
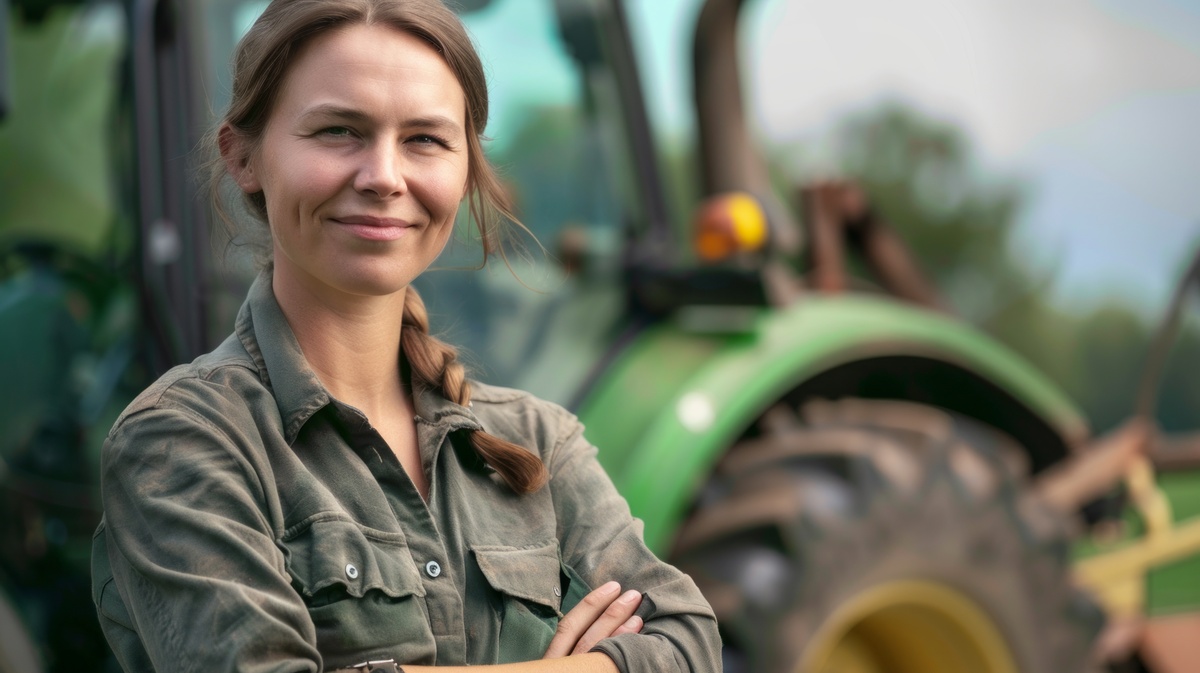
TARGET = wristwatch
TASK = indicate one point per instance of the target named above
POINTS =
(380, 666)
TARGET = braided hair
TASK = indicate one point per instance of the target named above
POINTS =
(434, 364)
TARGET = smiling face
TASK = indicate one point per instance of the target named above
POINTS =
(363, 162)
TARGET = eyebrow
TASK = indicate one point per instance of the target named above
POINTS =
(334, 111)
(431, 122)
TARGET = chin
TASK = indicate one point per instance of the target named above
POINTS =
(374, 286)
(371, 280)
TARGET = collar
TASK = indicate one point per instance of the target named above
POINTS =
(434, 409)
(268, 337)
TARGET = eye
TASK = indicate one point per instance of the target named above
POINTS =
(336, 132)
(429, 139)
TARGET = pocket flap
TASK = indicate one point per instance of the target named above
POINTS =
(331, 552)
(528, 574)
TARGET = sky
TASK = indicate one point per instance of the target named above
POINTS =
(1095, 104)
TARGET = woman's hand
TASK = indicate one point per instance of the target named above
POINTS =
(602, 613)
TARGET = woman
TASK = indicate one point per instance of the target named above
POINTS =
(326, 488)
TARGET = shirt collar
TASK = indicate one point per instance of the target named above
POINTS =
(268, 338)
(433, 408)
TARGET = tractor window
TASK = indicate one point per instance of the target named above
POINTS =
(554, 135)
(57, 145)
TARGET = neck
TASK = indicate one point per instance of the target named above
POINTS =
(352, 342)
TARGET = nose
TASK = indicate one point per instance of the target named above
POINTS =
(381, 172)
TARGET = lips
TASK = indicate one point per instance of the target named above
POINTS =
(374, 228)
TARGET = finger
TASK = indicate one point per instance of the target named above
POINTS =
(576, 622)
(609, 621)
(631, 625)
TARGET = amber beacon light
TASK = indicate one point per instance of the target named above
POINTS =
(727, 224)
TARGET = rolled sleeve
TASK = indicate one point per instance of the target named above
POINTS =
(602, 541)
(192, 550)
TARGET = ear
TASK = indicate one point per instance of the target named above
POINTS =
(235, 152)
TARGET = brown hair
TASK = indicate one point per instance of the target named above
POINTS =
(259, 66)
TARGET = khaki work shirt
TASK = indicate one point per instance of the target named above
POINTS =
(255, 524)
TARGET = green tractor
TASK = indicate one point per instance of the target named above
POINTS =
(858, 481)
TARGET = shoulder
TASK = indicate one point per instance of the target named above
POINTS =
(488, 394)
(523, 418)
(200, 426)
(213, 386)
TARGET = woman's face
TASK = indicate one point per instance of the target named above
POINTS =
(363, 162)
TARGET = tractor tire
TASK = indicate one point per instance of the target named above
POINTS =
(884, 537)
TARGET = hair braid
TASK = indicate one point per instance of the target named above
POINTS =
(435, 364)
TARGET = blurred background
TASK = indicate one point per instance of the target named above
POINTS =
(1039, 158)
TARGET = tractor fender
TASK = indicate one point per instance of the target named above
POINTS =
(676, 398)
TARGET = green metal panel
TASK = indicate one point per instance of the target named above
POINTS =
(1173, 588)
(648, 414)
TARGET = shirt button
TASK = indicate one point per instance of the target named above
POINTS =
(557, 592)
(433, 569)
(351, 571)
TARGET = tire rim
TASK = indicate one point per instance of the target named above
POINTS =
(908, 627)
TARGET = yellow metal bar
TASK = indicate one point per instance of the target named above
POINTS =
(1147, 498)
(1117, 577)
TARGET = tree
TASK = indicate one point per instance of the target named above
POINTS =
(961, 224)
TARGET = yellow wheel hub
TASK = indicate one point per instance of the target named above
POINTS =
(908, 627)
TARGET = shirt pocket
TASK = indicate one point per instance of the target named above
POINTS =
(362, 591)
(530, 583)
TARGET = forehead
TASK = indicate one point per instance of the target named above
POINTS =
(377, 68)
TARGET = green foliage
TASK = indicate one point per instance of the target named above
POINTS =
(961, 225)
(1179, 397)
(922, 176)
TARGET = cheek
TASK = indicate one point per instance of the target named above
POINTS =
(448, 188)
(298, 192)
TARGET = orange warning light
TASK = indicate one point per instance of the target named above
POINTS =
(729, 223)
